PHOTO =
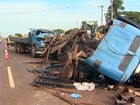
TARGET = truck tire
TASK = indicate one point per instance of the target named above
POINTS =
(15, 47)
(22, 48)
(33, 51)
(19, 48)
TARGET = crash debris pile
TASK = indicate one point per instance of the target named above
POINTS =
(52, 77)
(70, 46)
(63, 55)
(126, 95)
(65, 59)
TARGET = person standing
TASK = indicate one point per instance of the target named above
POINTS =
(8, 42)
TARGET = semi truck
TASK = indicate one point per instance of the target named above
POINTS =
(118, 54)
(35, 42)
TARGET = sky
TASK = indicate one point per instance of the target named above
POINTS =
(18, 16)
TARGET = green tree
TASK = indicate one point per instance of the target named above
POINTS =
(117, 8)
(18, 34)
(59, 31)
(133, 16)
(10, 36)
(74, 29)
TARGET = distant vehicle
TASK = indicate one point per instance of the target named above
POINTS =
(35, 42)
(0, 38)
(118, 54)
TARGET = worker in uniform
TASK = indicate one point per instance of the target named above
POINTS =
(8, 42)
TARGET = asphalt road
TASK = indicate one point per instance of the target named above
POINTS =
(15, 88)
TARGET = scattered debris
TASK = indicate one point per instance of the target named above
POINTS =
(66, 57)
(119, 100)
(84, 86)
(123, 99)
(74, 95)
(125, 95)
(68, 51)
(62, 95)
(135, 80)
(135, 92)
(52, 77)
(110, 87)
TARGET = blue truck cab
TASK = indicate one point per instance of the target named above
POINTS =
(39, 39)
(118, 54)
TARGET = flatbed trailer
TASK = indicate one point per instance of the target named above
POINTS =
(36, 41)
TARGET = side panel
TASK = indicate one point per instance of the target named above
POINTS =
(20, 40)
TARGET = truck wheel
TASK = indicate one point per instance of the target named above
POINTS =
(33, 51)
(19, 48)
(15, 47)
(22, 48)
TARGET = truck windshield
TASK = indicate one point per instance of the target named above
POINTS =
(45, 34)
(48, 34)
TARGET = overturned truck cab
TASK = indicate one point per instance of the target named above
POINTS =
(118, 54)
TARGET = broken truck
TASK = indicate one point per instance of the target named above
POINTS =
(76, 56)
(35, 42)
(118, 54)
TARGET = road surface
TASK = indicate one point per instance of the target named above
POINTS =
(15, 88)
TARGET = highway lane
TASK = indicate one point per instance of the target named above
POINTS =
(15, 88)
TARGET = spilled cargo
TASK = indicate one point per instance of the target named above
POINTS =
(79, 56)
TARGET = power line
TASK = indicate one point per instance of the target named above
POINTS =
(27, 12)
(32, 12)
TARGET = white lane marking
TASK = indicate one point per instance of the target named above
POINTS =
(11, 80)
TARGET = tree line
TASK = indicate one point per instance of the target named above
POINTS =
(119, 9)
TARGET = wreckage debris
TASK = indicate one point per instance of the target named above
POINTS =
(126, 94)
(67, 54)
(85, 86)
(74, 95)
(66, 57)
(52, 76)
(124, 99)
(51, 80)
(135, 80)
(71, 43)
(56, 69)
(68, 50)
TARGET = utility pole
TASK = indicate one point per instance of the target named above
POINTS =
(111, 9)
(102, 14)
(77, 24)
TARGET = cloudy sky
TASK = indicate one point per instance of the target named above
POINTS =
(17, 16)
